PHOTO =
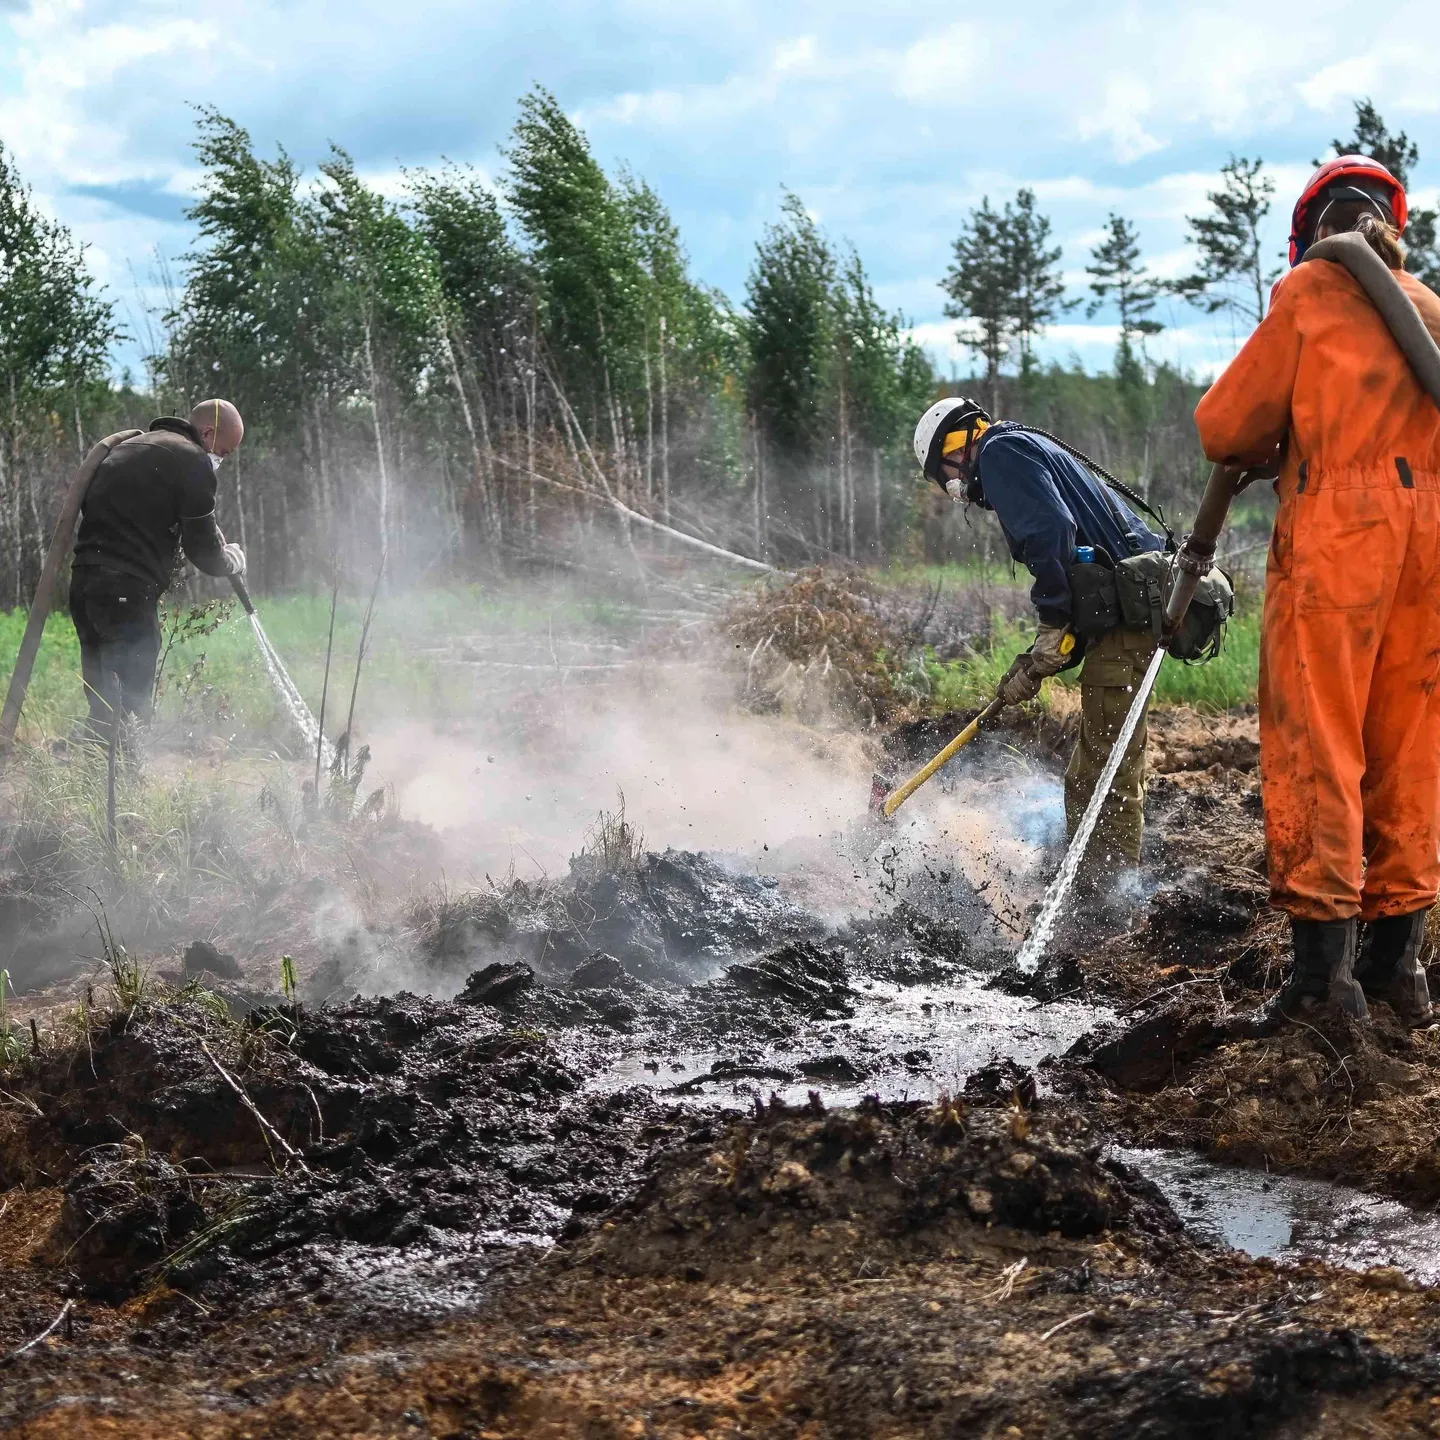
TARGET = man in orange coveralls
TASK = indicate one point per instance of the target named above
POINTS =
(1350, 654)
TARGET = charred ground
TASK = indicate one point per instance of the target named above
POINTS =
(397, 1215)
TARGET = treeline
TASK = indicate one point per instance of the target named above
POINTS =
(459, 376)
(1005, 286)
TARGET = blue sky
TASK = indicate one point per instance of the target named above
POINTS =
(889, 121)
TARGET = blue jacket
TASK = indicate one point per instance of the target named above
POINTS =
(1047, 503)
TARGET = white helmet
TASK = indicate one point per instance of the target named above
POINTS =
(936, 423)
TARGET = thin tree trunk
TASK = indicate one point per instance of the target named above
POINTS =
(759, 491)
(847, 496)
(650, 423)
(664, 426)
(879, 516)
(486, 503)
(379, 442)
(240, 501)
(530, 418)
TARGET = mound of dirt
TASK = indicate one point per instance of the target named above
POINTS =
(822, 642)
(409, 1122)
(1330, 1098)
(900, 1167)
(668, 918)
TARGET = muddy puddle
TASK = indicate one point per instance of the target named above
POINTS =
(902, 1042)
(1290, 1217)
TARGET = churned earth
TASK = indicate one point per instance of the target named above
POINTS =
(682, 1157)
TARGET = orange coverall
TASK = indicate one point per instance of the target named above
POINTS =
(1350, 649)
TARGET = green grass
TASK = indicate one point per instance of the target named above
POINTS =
(403, 675)
(1221, 684)
(231, 692)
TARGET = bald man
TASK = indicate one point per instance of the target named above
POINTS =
(151, 495)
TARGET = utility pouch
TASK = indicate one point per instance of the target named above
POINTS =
(1202, 631)
(1140, 589)
(1094, 607)
(1140, 585)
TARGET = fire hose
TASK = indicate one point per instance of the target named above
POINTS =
(45, 588)
(1402, 319)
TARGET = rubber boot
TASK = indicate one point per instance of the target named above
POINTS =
(1323, 974)
(1389, 967)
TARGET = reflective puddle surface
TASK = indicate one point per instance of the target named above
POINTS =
(902, 1042)
(1288, 1217)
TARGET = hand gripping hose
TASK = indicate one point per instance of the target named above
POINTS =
(45, 589)
(1421, 353)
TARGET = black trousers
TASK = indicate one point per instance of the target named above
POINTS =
(117, 621)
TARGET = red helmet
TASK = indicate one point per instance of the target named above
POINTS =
(1360, 171)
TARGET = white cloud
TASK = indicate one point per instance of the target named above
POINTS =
(941, 66)
(1127, 101)
(890, 121)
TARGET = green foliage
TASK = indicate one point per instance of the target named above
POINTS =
(980, 288)
(55, 335)
(1230, 680)
(833, 385)
(1232, 273)
(584, 247)
(1118, 276)
(287, 978)
(1035, 266)
(790, 323)
(1006, 280)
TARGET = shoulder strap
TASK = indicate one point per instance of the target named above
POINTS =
(1158, 516)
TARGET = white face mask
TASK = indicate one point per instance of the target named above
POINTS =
(216, 461)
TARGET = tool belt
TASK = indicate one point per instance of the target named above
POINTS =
(1105, 593)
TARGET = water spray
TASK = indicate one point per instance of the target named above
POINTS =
(285, 688)
(1029, 957)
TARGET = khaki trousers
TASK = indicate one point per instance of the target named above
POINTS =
(1114, 666)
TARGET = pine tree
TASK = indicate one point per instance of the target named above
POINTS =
(1038, 285)
(983, 288)
(1118, 277)
(1232, 273)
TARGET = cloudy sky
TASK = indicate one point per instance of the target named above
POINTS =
(890, 120)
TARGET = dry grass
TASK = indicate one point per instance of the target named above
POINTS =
(820, 644)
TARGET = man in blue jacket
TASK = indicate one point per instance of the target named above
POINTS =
(1049, 505)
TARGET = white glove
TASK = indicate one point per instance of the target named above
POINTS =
(236, 558)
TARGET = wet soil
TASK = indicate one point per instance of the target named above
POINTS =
(678, 1158)
(901, 1270)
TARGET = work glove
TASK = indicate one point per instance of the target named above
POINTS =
(1051, 652)
(1020, 682)
(235, 558)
